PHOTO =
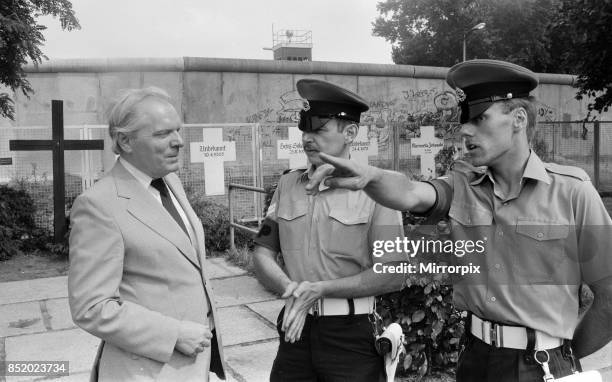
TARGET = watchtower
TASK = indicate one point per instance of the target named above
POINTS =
(292, 45)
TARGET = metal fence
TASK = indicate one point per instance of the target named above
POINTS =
(257, 162)
(587, 145)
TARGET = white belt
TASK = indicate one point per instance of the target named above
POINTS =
(341, 306)
(514, 337)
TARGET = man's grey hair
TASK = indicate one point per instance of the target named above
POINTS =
(122, 113)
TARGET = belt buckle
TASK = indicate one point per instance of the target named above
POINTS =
(493, 334)
(316, 308)
(491, 330)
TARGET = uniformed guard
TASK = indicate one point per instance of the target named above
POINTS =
(544, 227)
(326, 242)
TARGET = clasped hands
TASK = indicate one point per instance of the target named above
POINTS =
(299, 298)
(193, 338)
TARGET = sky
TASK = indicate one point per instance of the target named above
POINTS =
(341, 29)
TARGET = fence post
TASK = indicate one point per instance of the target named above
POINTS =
(596, 153)
(231, 216)
(396, 146)
(260, 172)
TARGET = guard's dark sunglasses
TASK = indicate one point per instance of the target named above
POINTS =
(309, 122)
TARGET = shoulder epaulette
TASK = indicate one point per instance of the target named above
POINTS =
(574, 172)
(297, 170)
(293, 173)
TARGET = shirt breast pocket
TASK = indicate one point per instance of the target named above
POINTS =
(470, 216)
(292, 225)
(349, 231)
(542, 252)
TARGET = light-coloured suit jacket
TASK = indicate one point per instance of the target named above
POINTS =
(134, 275)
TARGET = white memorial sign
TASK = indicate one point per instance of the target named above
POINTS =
(362, 148)
(427, 146)
(292, 149)
(213, 152)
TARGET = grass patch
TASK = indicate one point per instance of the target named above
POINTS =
(241, 257)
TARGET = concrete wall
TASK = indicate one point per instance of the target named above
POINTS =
(230, 90)
(218, 91)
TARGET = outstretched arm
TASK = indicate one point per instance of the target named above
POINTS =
(389, 188)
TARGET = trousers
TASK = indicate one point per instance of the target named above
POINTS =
(480, 362)
(331, 349)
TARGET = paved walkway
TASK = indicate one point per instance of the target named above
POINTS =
(35, 324)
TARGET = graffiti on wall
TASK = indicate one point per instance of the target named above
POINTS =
(288, 110)
(411, 110)
(406, 112)
(545, 112)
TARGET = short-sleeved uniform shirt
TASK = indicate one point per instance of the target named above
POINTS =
(328, 235)
(540, 244)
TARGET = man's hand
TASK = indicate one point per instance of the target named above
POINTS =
(303, 297)
(193, 338)
(294, 331)
(289, 300)
(340, 173)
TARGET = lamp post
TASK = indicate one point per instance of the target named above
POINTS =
(476, 27)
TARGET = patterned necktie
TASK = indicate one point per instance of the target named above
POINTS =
(160, 186)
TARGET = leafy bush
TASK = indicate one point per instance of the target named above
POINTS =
(16, 221)
(215, 221)
(432, 326)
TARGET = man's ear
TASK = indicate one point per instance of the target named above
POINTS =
(124, 142)
(520, 119)
(350, 132)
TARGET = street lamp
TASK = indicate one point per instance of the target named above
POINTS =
(476, 27)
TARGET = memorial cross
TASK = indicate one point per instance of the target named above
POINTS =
(213, 151)
(427, 146)
(57, 144)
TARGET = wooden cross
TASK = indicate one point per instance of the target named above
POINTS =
(57, 145)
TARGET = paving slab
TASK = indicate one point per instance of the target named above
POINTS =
(239, 290)
(240, 325)
(212, 377)
(217, 267)
(21, 318)
(59, 314)
(74, 345)
(253, 362)
(33, 290)
(268, 309)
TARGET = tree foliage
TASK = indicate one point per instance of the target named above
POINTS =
(551, 36)
(21, 37)
(587, 26)
(431, 32)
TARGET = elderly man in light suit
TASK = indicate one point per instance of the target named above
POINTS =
(137, 277)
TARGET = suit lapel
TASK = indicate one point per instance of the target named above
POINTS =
(178, 191)
(143, 206)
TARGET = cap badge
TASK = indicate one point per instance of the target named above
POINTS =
(460, 95)
(305, 105)
(509, 95)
